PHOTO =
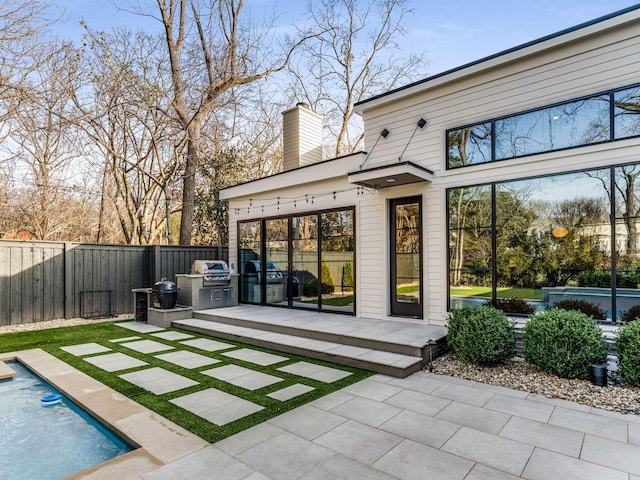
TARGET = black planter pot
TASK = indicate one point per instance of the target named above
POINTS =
(599, 375)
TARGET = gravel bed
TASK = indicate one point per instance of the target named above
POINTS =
(519, 375)
(24, 327)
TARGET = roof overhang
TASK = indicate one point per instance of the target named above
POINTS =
(403, 173)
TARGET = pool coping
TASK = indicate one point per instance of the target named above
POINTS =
(157, 441)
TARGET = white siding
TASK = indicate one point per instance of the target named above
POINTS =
(609, 60)
(596, 59)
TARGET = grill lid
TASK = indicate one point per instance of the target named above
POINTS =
(164, 286)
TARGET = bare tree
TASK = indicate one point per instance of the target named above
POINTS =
(44, 141)
(211, 52)
(125, 114)
(21, 22)
(352, 57)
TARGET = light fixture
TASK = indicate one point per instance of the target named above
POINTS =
(383, 134)
(420, 125)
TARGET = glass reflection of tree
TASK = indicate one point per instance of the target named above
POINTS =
(470, 232)
(470, 145)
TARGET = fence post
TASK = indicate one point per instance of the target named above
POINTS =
(156, 264)
(68, 280)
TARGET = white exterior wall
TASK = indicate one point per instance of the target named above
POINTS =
(587, 61)
(585, 67)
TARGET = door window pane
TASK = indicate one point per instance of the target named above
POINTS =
(407, 253)
(338, 260)
(249, 235)
(277, 260)
(305, 283)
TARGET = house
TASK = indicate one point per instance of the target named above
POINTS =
(501, 179)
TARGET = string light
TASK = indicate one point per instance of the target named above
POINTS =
(270, 202)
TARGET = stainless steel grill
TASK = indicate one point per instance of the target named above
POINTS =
(214, 272)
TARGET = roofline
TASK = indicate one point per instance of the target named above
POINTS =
(233, 191)
(498, 55)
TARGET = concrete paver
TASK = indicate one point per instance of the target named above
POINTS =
(544, 465)
(478, 418)
(216, 406)
(551, 437)
(521, 407)
(358, 441)
(186, 359)
(147, 346)
(255, 356)
(617, 455)
(307, 422)
(141, 327)
(114, 362)
(414, 461)
(172, 335)
(500, 453)
(125, 339)
(158, 380)
(315, 372)
(589, 423)
(420, 428)
(290, 392)
(85, 349)
(242, 377)
(285, 457)
(207, 345)
(367, 411)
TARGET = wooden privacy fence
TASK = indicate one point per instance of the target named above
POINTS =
(42, 281)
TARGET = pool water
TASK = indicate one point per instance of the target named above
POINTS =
(42, 443)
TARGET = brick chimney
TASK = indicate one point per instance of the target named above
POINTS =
(301, 137)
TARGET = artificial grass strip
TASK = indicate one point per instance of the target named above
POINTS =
(52, 339)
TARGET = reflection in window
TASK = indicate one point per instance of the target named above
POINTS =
(627, 112)
(469, 145)
(249, 234)
(470, 243)
(553, 240)
(563, 126)
(338, 260)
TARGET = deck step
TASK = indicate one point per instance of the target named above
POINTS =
(388, 336)
(380, 361)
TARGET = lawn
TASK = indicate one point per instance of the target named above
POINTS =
(103, 333)
(503, 292)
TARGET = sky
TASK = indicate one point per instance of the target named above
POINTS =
(450, 33)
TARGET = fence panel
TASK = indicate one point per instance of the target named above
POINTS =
(42, 281)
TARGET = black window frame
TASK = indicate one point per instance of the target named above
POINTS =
(612, 135)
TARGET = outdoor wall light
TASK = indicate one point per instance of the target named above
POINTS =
(420, 125)
(384, 134)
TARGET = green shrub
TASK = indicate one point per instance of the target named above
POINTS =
(512, 305)
(311, 288)
(588, 278)
(564, 342)
(347, 277)
(591, 309)
(481, 335)
(326, 285)
(631, 314)
(628, 345)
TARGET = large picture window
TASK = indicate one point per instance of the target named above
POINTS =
(603, 117)
(524, 245)
(303, 261)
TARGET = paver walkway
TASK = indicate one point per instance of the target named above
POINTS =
(211, 404)
(425, 426)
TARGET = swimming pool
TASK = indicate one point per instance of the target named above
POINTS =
(51, 442)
